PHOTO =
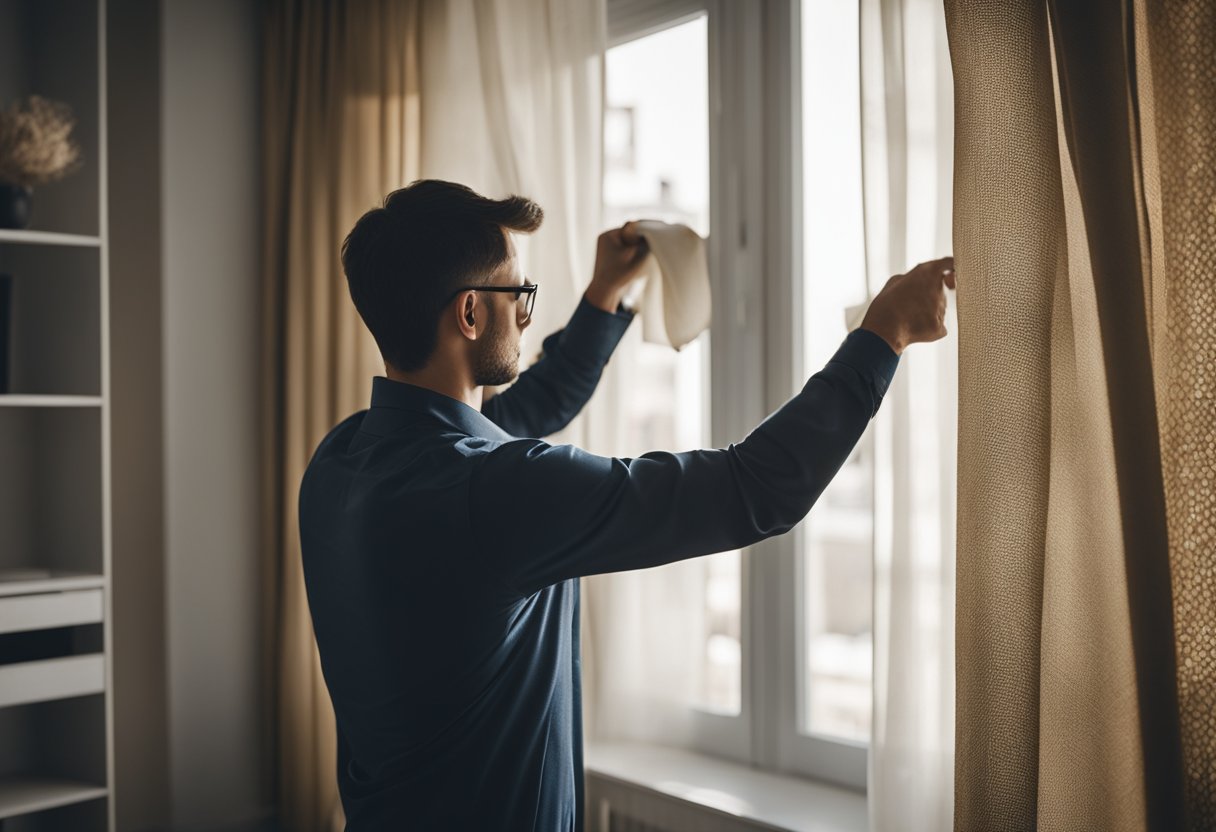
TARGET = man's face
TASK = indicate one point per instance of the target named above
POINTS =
(496, 355)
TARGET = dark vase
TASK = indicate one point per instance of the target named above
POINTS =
(16, 206)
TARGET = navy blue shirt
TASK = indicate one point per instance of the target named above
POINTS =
(442, 547)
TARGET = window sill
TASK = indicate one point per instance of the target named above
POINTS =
(763, 799)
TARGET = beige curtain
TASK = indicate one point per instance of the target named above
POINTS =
(1085, 237)
(340, 130)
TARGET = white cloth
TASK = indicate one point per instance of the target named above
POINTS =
(676, 303)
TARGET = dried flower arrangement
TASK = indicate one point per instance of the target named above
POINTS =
(35, 142)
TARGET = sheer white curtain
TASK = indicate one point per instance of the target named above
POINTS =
(907, 135)
(645, 666)
(512, 102)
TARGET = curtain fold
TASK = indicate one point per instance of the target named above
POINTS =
(907, 154)
(1093, 56)
(1176, 79)
(340, 130)
(1084, 202)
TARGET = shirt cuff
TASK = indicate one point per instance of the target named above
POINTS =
(871, 357)
(592, 334)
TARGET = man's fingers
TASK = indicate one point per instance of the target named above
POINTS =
(629, 234)
(941, 269)
(640, 253)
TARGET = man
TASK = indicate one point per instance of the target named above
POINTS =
(442, 541)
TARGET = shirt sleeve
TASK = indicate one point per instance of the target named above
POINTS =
(550, 393)
(543, 513)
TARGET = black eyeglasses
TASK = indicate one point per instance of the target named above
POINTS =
(525, 297)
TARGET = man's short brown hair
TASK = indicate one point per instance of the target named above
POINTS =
(404, 261)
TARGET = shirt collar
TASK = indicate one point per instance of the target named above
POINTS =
(397, 395)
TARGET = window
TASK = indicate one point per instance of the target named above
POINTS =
(744, 120)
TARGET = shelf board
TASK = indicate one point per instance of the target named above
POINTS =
(31, 581)
(22, 795)
(48, 679)
(48, 238)
(37, 400)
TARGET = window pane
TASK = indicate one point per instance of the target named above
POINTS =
(838, 535)
(656, 166)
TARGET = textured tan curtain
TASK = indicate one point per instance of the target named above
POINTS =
(340, 130)
(1085, 236)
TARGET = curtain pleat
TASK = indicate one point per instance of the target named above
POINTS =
(340, 130)
(1085, 237)
(1094, 59)
(1179, 39)
(1008, 247)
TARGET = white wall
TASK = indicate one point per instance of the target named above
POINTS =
(210, 312)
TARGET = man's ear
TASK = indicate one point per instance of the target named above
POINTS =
(467, 315)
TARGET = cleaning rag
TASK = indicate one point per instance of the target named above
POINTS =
(676, 303)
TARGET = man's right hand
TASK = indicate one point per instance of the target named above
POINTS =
(619, 256)
(911, 308)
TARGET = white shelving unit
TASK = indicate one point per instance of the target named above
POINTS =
(56, 713)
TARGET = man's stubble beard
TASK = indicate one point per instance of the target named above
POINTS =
(497, 360)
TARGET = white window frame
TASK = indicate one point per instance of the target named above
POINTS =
(755, 262)
(832, 759)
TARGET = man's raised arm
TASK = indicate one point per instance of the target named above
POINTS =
(572, 513)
